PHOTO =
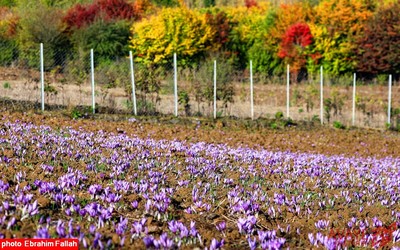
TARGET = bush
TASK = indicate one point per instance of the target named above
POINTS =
(178, 30)
(183, 100)
(7, 3)
(251, 39)
(166, 3)
(337, 24)
(338, 125)
(8, 45)
(80, 16)
(41, 24)
(9, 52)
(107, 39)
(293, 47)
(279, 115)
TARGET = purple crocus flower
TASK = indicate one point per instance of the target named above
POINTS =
(322, 224)
(184, 232)
(6, 205)
(149, 242)
(60, 229)
(135, 204)
(42, 233)
(252, 243)
(396, 236)
(165, 241)
(193, 230)
(221, 226)
(215, 244)
(330, 243)
(11, 223)
(173, 226)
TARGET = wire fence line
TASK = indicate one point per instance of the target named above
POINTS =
(81, 84)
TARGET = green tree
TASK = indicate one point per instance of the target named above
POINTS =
(7, 3)
(109, 40)
(40, 24)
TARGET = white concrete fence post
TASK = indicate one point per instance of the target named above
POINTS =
(92, 74)
(389, 99)
(288, 91)
(176, 85)
(133, 83)
(322, 94)
(215, 89)
(251, 91)
(42, 76)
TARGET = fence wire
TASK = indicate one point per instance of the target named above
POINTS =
(67, 87)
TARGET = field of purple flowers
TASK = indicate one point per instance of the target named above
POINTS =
(114, 190)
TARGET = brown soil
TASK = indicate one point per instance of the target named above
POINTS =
(309, 138)
(301, 138)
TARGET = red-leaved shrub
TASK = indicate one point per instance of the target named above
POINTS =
(294, 41)
(82, 15)
(250, 3)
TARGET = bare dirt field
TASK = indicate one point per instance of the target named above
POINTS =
(166, 183)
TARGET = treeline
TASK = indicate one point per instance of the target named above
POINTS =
(344, 36)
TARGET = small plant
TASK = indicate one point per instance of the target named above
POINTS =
(75, 114)
(327, 108)
(50, 90)
(315, 118)
(310, 95)
(296, 97)
(6, 85)
(338, 125)
(80, 112)
(274, 125)
(279, 115)
(183, 99)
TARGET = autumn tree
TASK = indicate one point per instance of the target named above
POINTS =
(8, 26)
(250, 37)
(293, 47)
(378, 48)
(39, 23)
(287, 19)
(173, 30)
(337, 24)
(222, 27)
(82, 15)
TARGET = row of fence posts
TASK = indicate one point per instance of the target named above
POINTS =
(215, 88)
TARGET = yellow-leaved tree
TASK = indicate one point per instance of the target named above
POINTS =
(173, 30)
(337, 24)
